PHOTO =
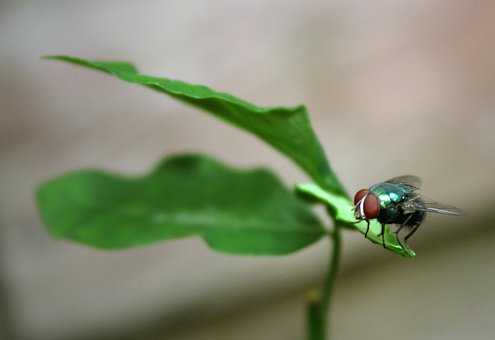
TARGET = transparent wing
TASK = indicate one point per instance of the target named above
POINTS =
(410, 180)
(435, 207)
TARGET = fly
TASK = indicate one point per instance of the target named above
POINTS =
(397, 201)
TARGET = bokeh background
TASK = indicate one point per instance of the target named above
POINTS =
(393, 87)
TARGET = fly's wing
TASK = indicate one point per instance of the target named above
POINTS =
(435, 207)
(409, 180)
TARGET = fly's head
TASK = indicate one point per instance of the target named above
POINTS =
(366, 205)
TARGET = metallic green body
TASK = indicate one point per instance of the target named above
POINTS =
(390, 195)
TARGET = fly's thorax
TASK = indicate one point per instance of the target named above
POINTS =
(389, 194)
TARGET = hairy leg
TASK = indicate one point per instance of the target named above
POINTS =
(400, 228)
(411, 233)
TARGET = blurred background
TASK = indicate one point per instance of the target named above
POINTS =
(393, 87)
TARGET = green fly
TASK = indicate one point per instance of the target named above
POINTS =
(398, 202)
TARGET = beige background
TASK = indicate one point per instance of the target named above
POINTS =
(393, 87)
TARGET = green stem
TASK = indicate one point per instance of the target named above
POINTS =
(315, 323)
(318, 309)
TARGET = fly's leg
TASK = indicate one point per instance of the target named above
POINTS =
(382, 234)
(397, 235)
(367, 226)
(367, 229)
(400, 228)
(411, 233)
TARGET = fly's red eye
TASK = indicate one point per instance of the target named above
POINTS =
(359, 195)
(371, 206)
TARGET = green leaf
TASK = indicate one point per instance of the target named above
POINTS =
(234, 211)
(287, 129)
(342, 210)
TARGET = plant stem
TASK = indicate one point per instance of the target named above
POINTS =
(318, 309)
(314, 321)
